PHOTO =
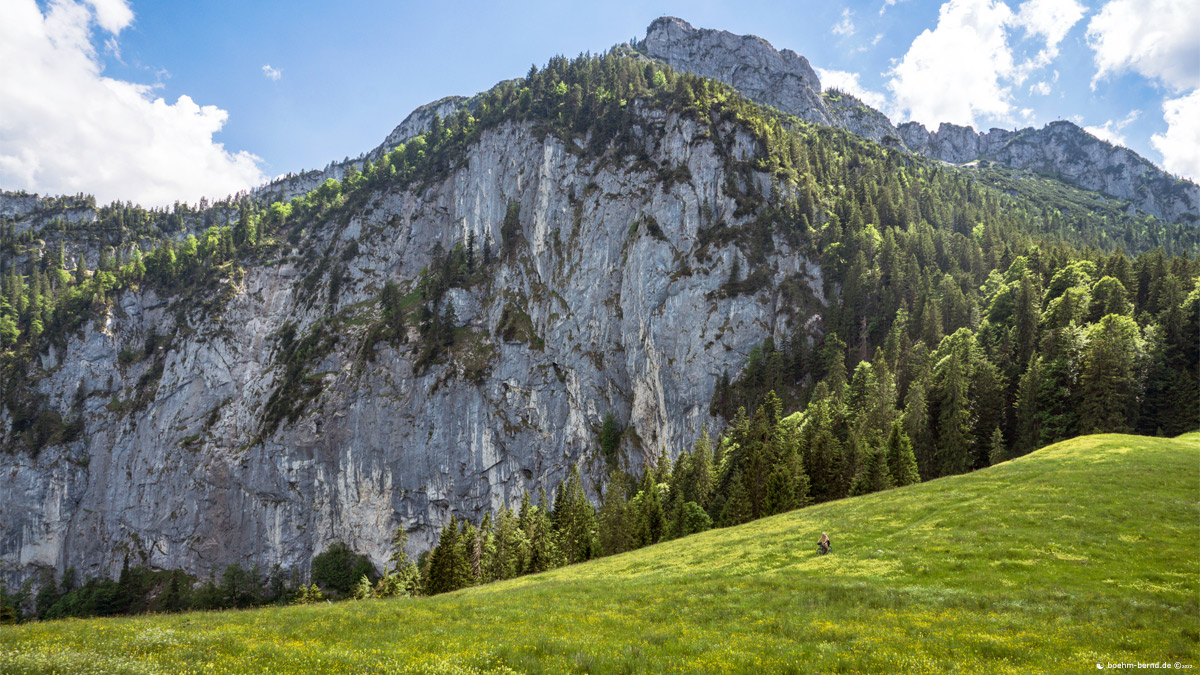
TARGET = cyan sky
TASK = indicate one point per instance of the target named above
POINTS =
(346, 73)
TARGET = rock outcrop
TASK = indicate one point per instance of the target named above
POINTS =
(418, 122)
(782, 79)
(175, 469)
(1064, 151)
(848, 112)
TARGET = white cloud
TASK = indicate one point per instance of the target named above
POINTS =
(848, 82)
(1111, 131)
(844, 27)
(65, 128)
(952, 73)
(1180, 145)
(1156, 38)
(886, 4)
(965, 67)
(272, 74)
(112, 15)
(1050, 20)
(1041, 88)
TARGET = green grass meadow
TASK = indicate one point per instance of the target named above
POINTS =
(1084, 552)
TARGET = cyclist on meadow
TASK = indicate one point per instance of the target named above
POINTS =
(824, 545)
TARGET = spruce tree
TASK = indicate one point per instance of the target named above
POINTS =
(902, 463)
(781, 492)
(1110, 379)
(737, 508)
(874, 475)
(997, 451)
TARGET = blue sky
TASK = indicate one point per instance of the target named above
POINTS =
(156, 101)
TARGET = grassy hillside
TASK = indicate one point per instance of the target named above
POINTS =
(1086, 551)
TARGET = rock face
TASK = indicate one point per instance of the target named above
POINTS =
(851, 114)
(782, 79)
(1067, 152)
(623, 316)
(418, 122)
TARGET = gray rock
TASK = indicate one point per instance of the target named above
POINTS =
(782, 79)
(418, 122)
(617, 324)
(1064, 151)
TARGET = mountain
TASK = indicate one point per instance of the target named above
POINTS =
(785, 80)
(442, 327)
(979, 571)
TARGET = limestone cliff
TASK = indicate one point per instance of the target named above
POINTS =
(616, 310)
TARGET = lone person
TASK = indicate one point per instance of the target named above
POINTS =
(824, 545)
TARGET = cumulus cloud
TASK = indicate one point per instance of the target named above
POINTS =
(965, 67)
(1111, 131)
(1156, 38)
(849, 83)
(66, 128)
(886, 4)
(272, 74)
(1180, 145)
(953, 73)
(112, 15)
(845, 26)
(1042, 88)
(1050, 20)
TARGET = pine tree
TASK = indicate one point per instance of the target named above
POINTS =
(737, 508)
(615, 526)
(1110, 379)
(543, 550)
(874, 475)
(574, 520)
(504, 563)
(902, 463)
(997, 452)
(781, 493)
(951, 404)
(1028, 424)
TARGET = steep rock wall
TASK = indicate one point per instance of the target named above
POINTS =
(623, 319)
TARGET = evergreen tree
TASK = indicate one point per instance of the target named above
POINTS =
(1110, 379)
(902, 463)
(874, 475)
(616, 522)
(737, 508)
(781, 492)
(997, 452)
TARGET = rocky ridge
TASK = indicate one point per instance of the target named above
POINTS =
(786, 81)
